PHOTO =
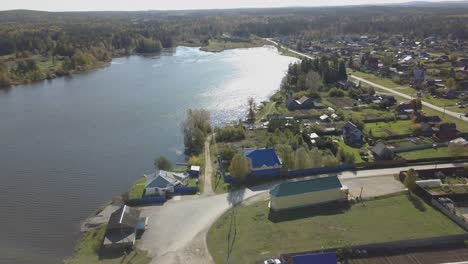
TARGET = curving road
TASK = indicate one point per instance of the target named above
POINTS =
(177, 230)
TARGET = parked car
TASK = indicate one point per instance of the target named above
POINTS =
(466, 114)
(272, 261)
(461, 106)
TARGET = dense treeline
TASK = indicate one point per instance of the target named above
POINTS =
(67, 42)
(310, 76)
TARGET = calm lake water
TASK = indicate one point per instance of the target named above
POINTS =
(69, 145)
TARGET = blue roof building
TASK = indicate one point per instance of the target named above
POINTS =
(318, 258)
(264, 158)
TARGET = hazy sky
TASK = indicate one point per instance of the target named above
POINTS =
(86, 5)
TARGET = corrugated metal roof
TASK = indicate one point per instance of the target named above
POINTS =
(264, 157)
(300, 187)
(319, 258)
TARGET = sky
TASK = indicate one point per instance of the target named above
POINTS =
(132, 5)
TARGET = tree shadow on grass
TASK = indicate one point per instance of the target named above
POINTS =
(417, 202)
(310, 211)
(236, 196)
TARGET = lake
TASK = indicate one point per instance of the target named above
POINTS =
(69, 145)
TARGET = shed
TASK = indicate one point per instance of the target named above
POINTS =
(121, 228)
(381, 152)
(295, 194)
(194, 171)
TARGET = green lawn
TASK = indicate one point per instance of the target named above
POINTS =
(368, 113)
(259, 235)
(87, 251)
(383, 129)
(426, 153)
(375, 79)
(137, 190)
(349, 149)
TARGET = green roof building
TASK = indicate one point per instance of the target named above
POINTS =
(301, 193)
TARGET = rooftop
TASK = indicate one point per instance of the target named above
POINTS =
(300, 187)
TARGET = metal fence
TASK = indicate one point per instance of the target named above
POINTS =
(146, 201)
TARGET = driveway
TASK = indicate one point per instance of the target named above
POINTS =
(177, 230)
(373, 186)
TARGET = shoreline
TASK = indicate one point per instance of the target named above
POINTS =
(214, 48)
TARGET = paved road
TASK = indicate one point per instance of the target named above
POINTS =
(177, 230)
(207, 187)
(393, 91)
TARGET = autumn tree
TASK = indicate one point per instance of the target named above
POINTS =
(410, 180)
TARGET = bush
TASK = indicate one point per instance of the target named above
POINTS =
(230, 134)
(336, 93)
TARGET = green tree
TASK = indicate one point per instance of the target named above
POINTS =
(162, 163)
(450, 83)
(302, 159)
(148, 45)
(196, 128)
(342, 75)
(251, 110)
(240, 166)
(286, 153)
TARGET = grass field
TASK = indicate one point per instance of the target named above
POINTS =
(87, 251)
(383, 129)
(378, 80)
(216, 45)
(426, 153)
(364, 114)
(260, 235)
(137, 190)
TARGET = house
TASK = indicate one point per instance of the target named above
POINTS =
(194, 171)
(346, 85)
(419, 74)
(302, 103)
(122, 228)
(352, 135)
(324, 118)
(420, 118)
(263, 159)
(381, 152)
(163, 182)
(426, 130)
(316, 258)
(405, 109)
(302, 193)
(446, 132)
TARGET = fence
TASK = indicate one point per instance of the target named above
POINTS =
(388, 248)
(417, 147)
(185, 190)
(146, 201)
(319, 170)
(450, 214)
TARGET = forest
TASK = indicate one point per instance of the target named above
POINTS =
(38, 45)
